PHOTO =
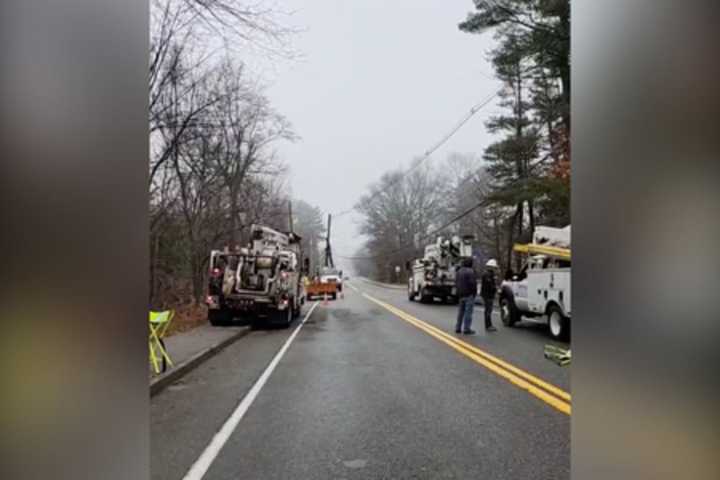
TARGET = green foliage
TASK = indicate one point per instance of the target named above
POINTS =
(528, 167)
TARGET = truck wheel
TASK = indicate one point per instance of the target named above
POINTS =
(286, 317)
(218, 318)
(256, 322)
(508, 312)
(424, 297)
(411, 293)
(558, 323)
(334, 296)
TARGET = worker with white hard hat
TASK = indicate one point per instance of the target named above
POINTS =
(488, 289)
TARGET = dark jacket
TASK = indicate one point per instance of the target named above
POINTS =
(488, 285)
(466, 282)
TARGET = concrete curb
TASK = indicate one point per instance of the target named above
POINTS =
(385, 285)
(159, 383)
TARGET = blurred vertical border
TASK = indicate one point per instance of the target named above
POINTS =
(73, 189)
(646, 226)
(646, 215)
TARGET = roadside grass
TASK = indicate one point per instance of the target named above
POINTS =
(187, 317)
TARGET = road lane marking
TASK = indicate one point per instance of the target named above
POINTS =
(203, 463)
(499, 362)
(546, 392)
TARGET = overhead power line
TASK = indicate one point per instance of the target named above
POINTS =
(424, 237)
(476, 108)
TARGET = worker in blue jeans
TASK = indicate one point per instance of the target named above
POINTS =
(466, 289)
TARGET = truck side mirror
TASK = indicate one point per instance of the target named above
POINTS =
(407, 265)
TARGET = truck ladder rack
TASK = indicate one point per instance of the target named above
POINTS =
(535, 249)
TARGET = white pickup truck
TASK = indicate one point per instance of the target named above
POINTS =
(332, 275)
(542, 288)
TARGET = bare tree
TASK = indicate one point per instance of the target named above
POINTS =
(212, 136)
(244, 127)
(399, 209)
(211, 27)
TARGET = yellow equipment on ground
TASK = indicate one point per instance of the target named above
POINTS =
(159, 323)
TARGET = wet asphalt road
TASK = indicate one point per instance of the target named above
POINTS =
(361, 393)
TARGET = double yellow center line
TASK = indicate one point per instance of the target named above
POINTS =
(549, 394)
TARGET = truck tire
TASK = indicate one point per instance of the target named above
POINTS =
(285, 317)
(558, 323)
(411, 292)
(424, 297)
(508, 311)
(296, 309)
(334, 296)
(256, 322)
(218, 318)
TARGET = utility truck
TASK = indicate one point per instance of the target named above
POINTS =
(433, 275)
(261, 282)
(542, 288)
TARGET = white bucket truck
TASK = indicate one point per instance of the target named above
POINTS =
(542, 288)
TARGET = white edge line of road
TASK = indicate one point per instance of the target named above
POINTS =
(203, 463)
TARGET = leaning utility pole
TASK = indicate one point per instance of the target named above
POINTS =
(328, 253)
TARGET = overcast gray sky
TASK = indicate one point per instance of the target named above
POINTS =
(380, 82)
